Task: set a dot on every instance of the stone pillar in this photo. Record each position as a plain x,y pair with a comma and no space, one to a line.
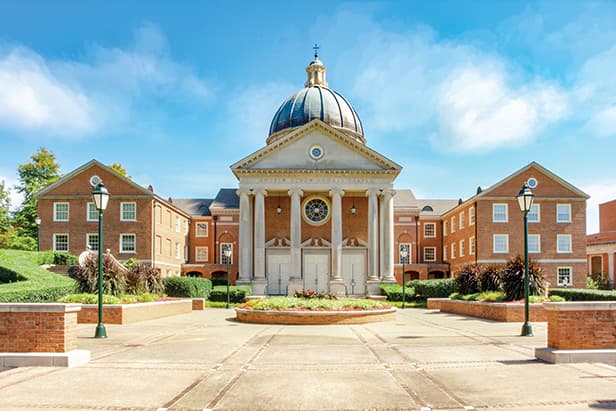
372,283
381,234
295,269
387,254
258,284
336,283
610,267
245,248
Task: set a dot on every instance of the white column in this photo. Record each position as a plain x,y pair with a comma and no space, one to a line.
296,232
336,195
245,249
381,234
373,234
388,236
259,224
610,266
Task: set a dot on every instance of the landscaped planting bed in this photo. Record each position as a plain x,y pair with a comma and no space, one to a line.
131,313
506,311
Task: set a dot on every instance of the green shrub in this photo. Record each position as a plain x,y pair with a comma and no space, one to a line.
394,292
9,276
583,294
192,287
37,294
441,288
491,278
556,299
598,281
513,279
467,279
237,293
218,281
88,299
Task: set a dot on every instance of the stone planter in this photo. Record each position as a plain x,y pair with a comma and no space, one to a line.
505,312
314,317
131,313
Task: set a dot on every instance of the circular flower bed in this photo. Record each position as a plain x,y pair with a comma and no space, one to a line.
285,310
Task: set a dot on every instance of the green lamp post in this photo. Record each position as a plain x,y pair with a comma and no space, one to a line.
227,252
38,221
525,201
403,254
100,195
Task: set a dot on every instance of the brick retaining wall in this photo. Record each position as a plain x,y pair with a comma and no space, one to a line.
130,313
506,312
576,325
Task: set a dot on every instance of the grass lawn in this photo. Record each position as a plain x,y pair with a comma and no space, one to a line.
34,283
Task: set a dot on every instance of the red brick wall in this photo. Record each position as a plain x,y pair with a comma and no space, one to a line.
607,216
493,311
583,329
460,234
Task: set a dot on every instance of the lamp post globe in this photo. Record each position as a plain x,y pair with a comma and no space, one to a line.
38,221
525,200
403,254
100,195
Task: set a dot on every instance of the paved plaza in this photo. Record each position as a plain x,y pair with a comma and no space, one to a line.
206,360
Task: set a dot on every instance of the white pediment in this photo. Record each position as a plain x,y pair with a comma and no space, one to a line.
340,152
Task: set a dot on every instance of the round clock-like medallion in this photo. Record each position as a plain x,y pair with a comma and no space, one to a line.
532,182
316,152
316,210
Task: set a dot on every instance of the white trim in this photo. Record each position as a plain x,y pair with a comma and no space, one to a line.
461,248
570,250
538,244
558,283
461,220
472,245
453,255
453,226
568,206
178,224
178,250
494,251
121,245
88,211
445,228
55,211
506,220
471,221
424,254
327,203
68,243
207,254
409,249
538,220
207,229
491,261
561,260
122,210
433,225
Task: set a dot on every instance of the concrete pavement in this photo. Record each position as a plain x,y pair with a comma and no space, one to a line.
205,360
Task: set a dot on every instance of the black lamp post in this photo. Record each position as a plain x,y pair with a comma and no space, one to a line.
101,197
38,222
403,254
228,254
525,200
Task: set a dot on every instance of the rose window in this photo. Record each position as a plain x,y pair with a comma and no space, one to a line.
316,211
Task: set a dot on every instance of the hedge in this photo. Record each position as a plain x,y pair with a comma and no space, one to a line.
192,287
57,258
584,294
37,294
219,281
394,292
441,288
237,293
9,276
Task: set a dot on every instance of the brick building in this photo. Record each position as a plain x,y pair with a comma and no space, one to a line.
601,246
316,208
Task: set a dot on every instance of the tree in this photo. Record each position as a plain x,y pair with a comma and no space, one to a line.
41,171
119,168
5,203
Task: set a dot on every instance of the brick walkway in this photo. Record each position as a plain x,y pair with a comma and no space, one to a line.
423,360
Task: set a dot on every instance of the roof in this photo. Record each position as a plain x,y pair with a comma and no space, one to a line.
195,207
426,207
226,198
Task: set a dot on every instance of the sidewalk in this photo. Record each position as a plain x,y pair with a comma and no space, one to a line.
205,360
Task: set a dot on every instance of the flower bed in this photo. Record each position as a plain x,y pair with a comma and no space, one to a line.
130,313
506,312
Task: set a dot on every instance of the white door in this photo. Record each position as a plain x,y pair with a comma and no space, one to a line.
316,272
277,274
354,271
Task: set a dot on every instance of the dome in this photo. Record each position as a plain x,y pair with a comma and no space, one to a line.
316,100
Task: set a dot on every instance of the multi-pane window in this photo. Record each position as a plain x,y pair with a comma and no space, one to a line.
453,251
429,253
92,212
60,211
534,214
128,243
462,220
471,216
92,241
534,243
563,243
444,253
563,213
500,243
565,276
178,250
499,213
185,226
429,230
404,248
169,218
60,242
201,229
201,254
159,244
462,249
471,245
453,224
445,226
168,246
178,225
223,253
128,211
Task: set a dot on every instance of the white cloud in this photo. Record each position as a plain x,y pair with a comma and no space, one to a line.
603,124
600,192
77,98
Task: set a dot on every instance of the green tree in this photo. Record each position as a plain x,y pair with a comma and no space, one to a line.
41,171
5,203
119,168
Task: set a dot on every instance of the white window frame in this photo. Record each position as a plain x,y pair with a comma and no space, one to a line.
178,250
560,283
201,249
558,237
444,253
407,246
569,213
207,229
506,220
494,250
472,245
461,218
471,215
169,246
178,224
55,211
91,207
453,251
461,250
185,226
88,236
425,257
122,236
425,234
445,224
538,207
55,242
223,258
125,203
453,224
538,250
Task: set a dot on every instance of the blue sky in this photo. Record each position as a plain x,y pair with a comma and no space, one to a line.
461,94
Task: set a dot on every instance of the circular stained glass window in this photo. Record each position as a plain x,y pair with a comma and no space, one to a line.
316,211
316,152
532,182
